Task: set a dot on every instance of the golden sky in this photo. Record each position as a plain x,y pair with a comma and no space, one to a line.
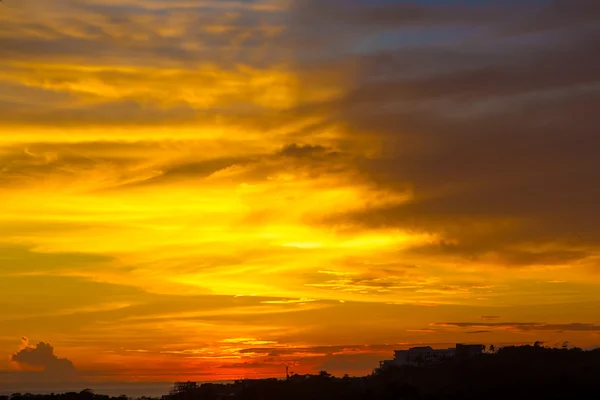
203,189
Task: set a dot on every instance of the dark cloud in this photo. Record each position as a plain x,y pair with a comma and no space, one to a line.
493,138
338,25
321,350
41,356
305,161
342,18
382,14
546,69
372,283
192,170
296,150
558,14
117,165
477,332
36,32
480,249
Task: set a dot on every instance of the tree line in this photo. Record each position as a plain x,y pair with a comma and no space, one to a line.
514,372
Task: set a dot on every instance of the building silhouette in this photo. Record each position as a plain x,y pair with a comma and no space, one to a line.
183,387
426,355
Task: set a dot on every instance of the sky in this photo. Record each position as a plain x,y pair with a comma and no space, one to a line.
211,190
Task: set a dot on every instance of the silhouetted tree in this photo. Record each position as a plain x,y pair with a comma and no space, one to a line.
86,394
324,374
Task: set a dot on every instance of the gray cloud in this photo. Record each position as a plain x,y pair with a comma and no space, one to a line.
494,138
558,14
42,356
307,160
296,150
127,32
337,25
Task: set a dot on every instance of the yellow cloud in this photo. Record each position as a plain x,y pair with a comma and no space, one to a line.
183,186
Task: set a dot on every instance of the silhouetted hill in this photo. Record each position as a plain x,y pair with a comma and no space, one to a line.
524,372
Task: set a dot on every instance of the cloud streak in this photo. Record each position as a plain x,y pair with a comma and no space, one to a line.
204,185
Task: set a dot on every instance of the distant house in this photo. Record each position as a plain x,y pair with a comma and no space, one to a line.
423,355
426,355
183,387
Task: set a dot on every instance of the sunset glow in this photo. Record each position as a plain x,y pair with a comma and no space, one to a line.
211,189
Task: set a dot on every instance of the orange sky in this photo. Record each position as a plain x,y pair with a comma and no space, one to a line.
215,189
